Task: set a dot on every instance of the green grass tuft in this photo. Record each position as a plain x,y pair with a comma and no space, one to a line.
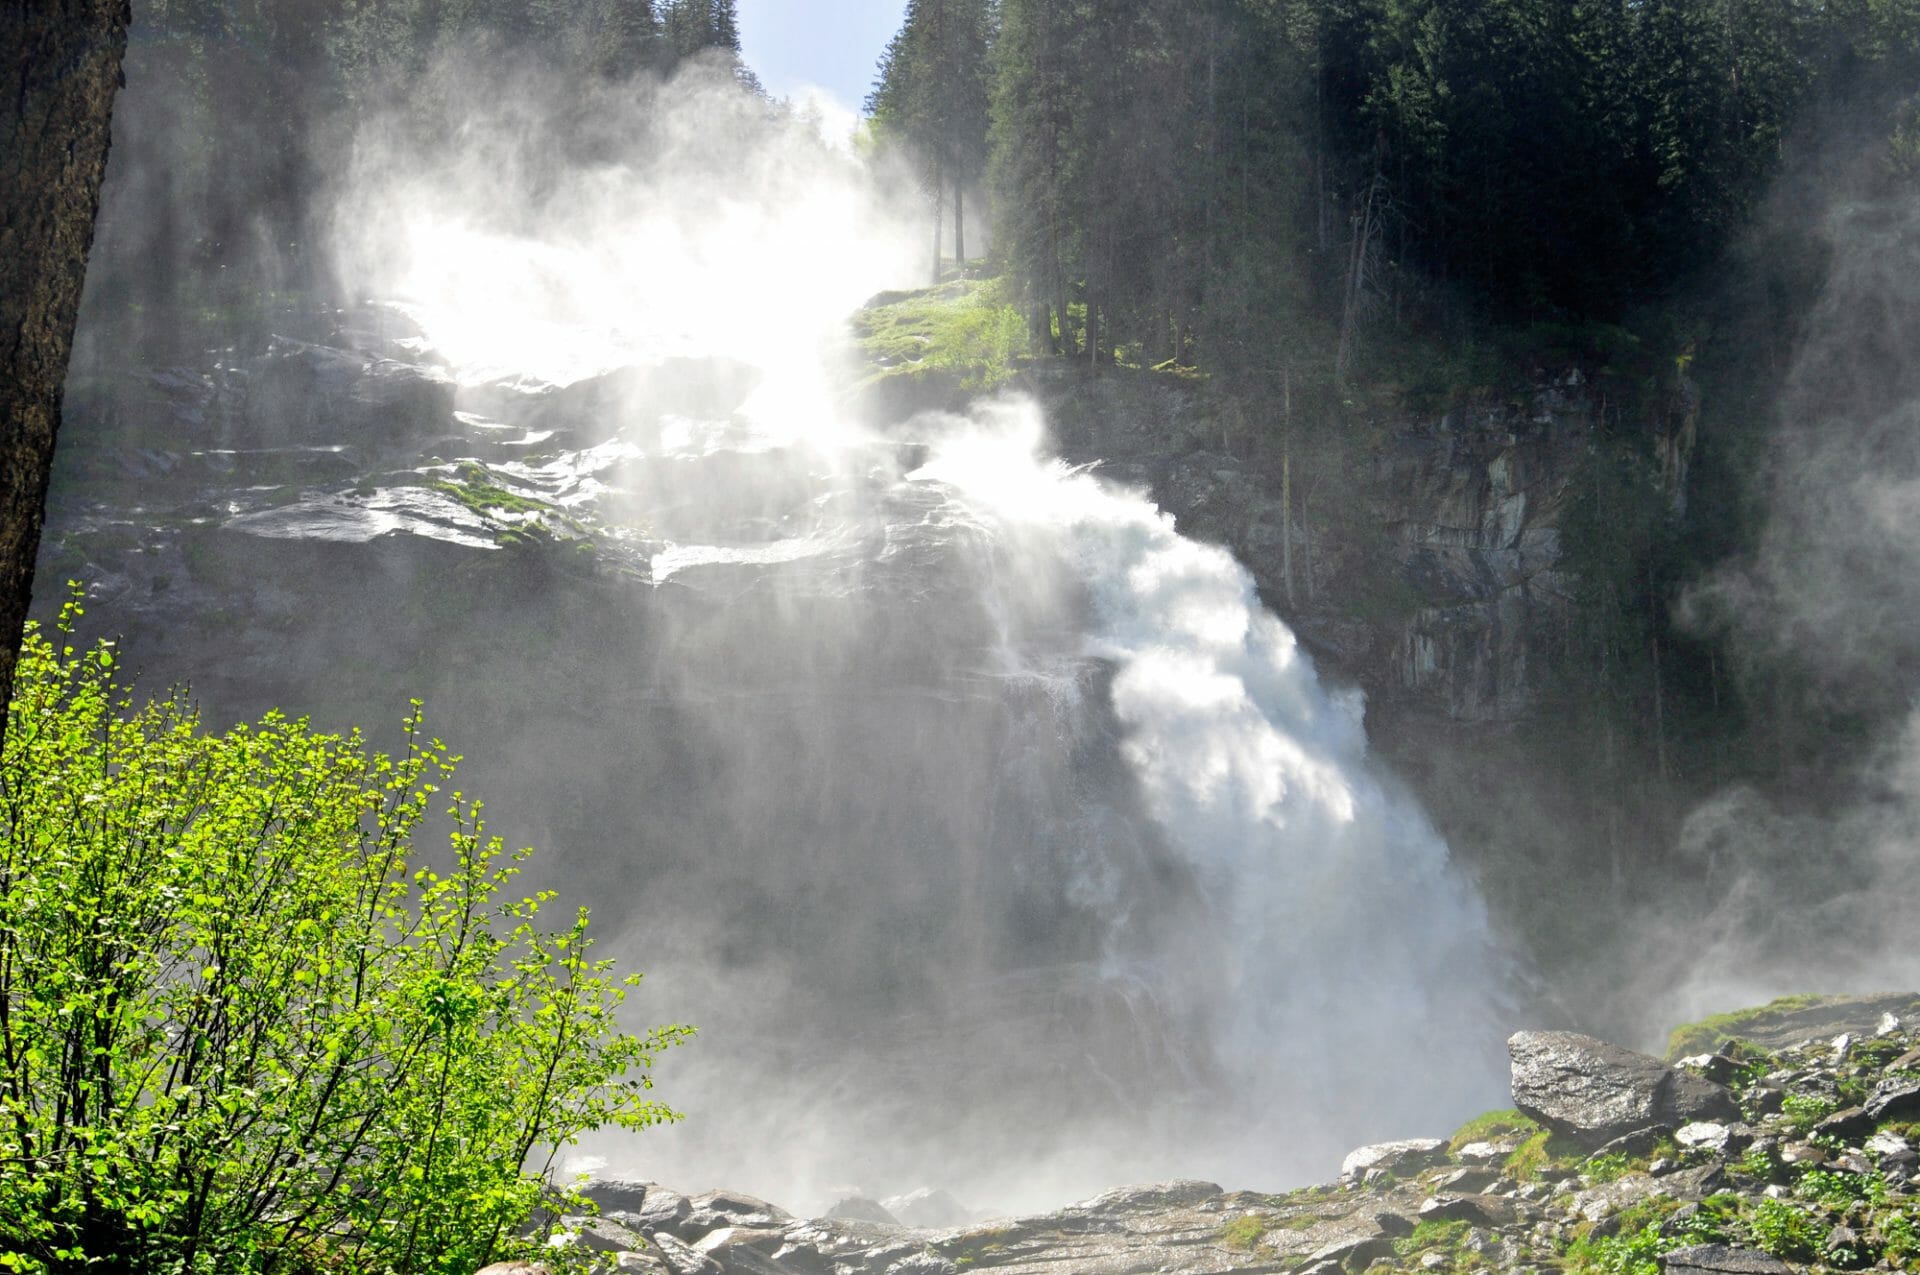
1705,1035
1491,1125
1243,1233
965,329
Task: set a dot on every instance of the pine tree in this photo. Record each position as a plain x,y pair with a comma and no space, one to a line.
931,98
693,25
724,24
626,38
1035,102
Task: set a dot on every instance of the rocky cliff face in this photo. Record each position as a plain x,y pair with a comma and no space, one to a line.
1436,577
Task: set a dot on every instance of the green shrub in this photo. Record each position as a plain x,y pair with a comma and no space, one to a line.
1757,1162
1631,1253
1706,1224
1785,1231
1837,1189
1803,1111
1607,1168
1900,1236
248,1024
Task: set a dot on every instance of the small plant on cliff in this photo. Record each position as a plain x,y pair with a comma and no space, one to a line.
1244,1233
1785,1231
248,1024
1804,1111
1490,1126
1635,1252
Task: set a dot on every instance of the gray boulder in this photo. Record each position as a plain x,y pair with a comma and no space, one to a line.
1894,1100
1158,1195
742,1260
712,1210
597,1235
1596,1092
683,1259
1393,1157
1721,1259
618,1194
1354,1240
1847,1125
928,1208
763,1238
659,1210
858,1208
1714,1136
1480,1210
923,1263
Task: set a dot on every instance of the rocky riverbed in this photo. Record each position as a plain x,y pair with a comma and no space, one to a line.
1758,1155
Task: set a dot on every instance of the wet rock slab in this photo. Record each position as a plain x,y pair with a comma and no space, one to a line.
1597,1091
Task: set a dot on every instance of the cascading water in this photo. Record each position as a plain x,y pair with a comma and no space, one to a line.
994,834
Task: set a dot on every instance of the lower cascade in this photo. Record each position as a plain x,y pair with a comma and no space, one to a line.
1017,848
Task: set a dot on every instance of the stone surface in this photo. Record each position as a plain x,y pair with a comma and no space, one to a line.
1718,1068
1712,1135
928,1207
660,1210
1894,1100
1597,1091
1393,1157
858,1208
1364,1223
597,1235
712,1210
1887,1143
1851,1122
618,1194
1720,1259
683,1259
1481,1210
1485,1152
764,1238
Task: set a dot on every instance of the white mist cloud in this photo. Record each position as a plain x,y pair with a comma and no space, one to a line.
702,221
1028,854
1816,890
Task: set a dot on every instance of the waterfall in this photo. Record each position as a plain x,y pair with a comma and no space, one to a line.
995,834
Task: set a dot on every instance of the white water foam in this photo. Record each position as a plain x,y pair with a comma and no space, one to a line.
1337,982
1348,946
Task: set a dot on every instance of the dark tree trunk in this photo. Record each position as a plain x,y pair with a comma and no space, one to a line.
59,68
959,225
939,227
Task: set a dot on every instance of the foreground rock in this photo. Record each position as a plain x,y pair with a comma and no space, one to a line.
1750,1191
1597,1092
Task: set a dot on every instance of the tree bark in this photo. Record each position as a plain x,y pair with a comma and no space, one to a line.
959,224
939,226
59,69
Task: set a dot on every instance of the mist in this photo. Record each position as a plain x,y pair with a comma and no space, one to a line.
1808,885
994,835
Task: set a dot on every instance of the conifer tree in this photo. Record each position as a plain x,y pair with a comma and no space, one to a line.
626,38
693,25
1037,214
931,97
